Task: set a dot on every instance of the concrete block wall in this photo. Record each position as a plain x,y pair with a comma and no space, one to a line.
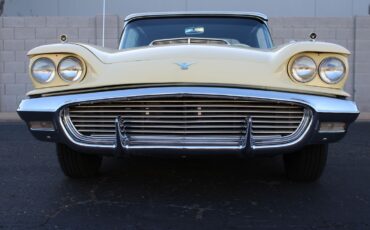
20,34
362,63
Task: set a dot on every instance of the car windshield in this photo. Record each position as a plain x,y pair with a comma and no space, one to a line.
233,30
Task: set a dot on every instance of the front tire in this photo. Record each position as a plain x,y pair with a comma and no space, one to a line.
306,165
77,165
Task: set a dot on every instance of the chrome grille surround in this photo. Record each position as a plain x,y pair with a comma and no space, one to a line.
191,121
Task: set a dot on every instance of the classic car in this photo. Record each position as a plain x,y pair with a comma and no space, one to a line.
190,83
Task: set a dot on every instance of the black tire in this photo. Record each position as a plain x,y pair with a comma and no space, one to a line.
77,165
306,165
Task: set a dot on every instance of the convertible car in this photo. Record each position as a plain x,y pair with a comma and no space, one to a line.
190,83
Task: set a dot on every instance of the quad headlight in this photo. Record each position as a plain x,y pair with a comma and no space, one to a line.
332,70
312,69
303,69
57,70
70,69
43,70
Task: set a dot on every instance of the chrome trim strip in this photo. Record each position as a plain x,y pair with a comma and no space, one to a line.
320,104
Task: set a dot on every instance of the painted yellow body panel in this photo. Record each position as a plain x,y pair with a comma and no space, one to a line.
211,65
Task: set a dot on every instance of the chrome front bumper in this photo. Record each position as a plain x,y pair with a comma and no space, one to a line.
322,109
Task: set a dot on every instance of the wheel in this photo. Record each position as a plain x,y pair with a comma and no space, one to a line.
77,165
306,165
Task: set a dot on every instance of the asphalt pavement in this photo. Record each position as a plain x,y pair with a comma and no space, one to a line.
176,193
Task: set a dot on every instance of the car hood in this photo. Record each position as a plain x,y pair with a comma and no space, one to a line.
224,52
207,65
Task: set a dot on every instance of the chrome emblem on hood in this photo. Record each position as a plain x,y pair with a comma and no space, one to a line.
184,65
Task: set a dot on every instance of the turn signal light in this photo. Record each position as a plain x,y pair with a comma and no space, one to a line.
332,127
41,125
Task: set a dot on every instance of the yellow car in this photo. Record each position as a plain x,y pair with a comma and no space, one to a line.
190,83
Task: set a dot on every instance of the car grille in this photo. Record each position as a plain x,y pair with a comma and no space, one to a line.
187,120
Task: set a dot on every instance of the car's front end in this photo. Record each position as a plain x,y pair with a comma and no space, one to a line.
246,121
200,93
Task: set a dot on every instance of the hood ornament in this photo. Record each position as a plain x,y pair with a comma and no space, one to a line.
184,65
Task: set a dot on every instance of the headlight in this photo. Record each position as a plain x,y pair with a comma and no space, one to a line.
303,69
332,70
70,69
43,70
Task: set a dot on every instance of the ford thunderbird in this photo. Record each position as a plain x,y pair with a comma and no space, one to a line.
190,83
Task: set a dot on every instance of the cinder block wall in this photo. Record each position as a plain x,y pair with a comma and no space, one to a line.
362,62
20,34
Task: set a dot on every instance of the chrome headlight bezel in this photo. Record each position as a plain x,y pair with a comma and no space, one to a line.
300,77
51,65
80,71
324,76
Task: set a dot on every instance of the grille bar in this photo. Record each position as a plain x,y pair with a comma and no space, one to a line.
187,111
183,117
187,127
185,120
96,121
185,105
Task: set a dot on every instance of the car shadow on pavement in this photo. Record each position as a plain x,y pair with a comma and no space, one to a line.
204,170
154,191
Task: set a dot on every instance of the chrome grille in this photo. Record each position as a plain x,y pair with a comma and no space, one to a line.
187,120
